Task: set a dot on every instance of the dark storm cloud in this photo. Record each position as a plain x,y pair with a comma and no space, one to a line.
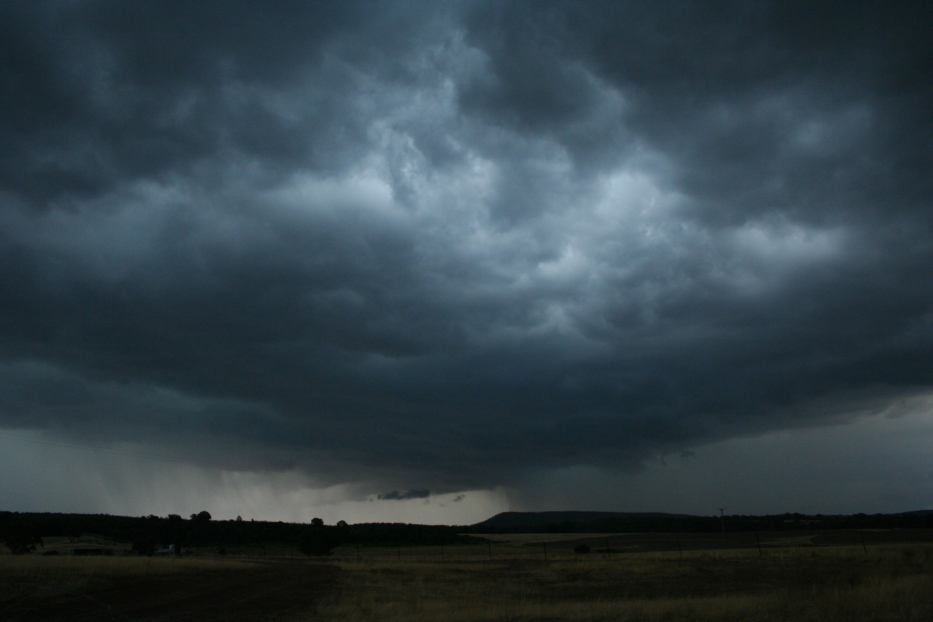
395,495
460,241
103,91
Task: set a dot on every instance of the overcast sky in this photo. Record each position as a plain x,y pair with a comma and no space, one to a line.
428,261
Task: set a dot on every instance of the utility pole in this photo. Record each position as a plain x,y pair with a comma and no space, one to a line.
722,520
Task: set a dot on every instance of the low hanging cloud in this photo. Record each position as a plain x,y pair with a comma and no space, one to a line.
416,493
455,243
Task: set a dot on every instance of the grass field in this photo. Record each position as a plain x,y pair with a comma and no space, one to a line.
789,578
825,584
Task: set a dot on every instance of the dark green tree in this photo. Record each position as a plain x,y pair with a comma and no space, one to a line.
20,538
318,540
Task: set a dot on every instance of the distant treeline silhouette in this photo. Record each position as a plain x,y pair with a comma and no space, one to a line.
23,531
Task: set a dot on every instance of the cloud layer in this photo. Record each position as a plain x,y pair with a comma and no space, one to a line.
443,246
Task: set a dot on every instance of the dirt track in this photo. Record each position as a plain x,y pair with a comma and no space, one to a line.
266,591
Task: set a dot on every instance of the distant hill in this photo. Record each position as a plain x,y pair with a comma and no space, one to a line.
588,522
619,522
526,519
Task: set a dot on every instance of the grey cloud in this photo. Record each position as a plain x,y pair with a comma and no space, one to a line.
395,495
103,92
453,243
796,107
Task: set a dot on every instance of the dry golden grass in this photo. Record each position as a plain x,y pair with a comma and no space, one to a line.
537,538
900,600
795,583
825,585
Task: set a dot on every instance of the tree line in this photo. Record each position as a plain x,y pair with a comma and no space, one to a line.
22,532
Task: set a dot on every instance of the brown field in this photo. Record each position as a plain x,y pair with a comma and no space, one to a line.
627,577
133,588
